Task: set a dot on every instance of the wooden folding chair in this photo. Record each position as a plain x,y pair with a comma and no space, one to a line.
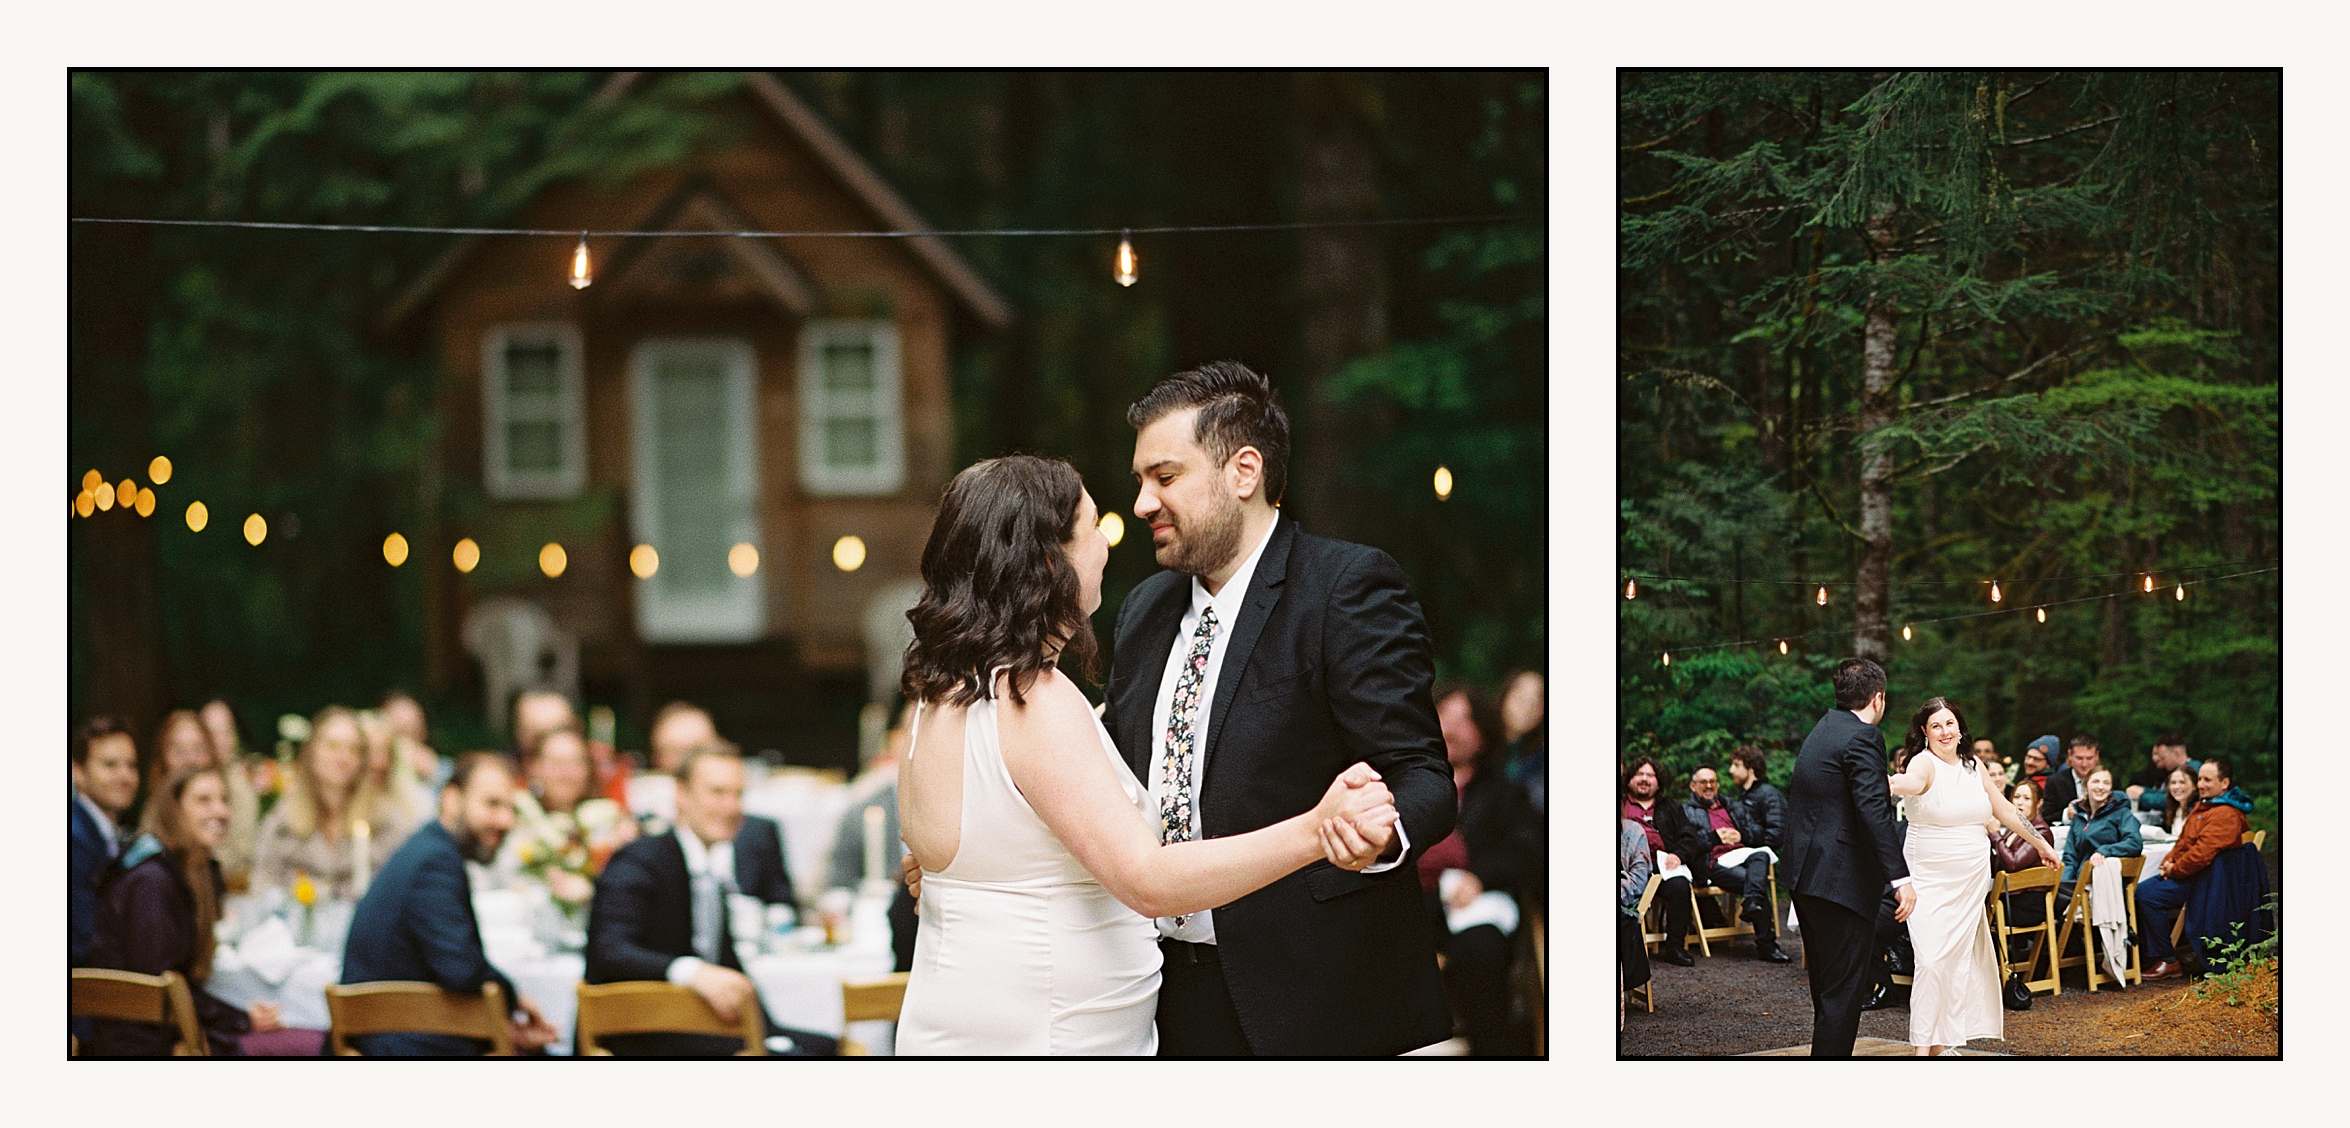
653,1007
1540,1002
1655,936
2004,886
1738,925
159,1000
401,1006
2077,915
872,1000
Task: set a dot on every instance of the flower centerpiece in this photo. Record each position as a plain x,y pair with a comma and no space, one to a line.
565,850
306,895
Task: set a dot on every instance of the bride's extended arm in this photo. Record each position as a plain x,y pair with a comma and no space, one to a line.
1055,758
1913,778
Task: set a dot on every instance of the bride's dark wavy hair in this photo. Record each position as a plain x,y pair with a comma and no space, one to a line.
998,586
1915,741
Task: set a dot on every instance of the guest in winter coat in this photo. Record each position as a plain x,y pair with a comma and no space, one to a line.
157,907
1496,846
1766,806
2217,823
2101,824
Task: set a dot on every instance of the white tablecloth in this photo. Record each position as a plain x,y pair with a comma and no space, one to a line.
802,990
808,805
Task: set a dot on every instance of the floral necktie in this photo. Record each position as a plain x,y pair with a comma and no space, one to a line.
1175,768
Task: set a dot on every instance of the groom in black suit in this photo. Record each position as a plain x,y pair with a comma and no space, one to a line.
1250,673
1842,850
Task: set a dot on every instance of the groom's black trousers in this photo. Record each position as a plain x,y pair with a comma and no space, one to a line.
1196,1016
1837,943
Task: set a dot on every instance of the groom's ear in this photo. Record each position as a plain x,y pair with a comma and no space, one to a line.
1245,473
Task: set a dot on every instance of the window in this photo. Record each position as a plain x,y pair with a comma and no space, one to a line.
852,427
533,411
695,489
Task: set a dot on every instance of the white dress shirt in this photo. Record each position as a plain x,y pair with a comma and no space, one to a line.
105,823
718,862
1200,928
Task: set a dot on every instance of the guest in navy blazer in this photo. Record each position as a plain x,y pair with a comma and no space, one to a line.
416,921
105,766
661,910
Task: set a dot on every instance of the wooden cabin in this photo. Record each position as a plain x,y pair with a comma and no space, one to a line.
698,429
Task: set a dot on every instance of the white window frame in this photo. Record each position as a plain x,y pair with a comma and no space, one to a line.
887,403
739,614
568,479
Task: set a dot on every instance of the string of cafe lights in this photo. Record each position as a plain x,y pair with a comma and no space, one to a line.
2146,587
1125,266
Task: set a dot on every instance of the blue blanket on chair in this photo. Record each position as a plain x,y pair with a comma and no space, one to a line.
2226,895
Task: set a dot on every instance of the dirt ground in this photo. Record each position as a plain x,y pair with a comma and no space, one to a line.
1734,1004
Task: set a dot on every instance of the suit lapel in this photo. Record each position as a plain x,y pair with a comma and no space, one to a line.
1146,648
1264,592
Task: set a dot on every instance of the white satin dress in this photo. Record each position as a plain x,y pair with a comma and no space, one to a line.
1021,951
1955,996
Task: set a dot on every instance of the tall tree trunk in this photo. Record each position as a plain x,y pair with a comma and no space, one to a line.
1871,637
1341,283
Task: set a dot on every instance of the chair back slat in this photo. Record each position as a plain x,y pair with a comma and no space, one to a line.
162,1000
408,1007
877,1000
654,1007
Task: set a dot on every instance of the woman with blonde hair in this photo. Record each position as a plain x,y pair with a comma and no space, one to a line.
182,744
328,800
408,800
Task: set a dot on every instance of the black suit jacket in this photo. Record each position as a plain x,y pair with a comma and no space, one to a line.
1328,663
416,923
642,920
2061,792
1841,844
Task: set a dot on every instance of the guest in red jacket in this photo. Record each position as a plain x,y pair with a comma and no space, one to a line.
2217,823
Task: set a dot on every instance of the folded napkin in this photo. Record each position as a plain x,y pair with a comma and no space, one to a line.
1737,857
268,948
1489,907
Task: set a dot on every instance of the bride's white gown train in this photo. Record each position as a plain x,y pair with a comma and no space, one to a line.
1021,951
1955,996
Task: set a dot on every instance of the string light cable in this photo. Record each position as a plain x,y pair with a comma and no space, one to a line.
1646,578
2179,587
576,233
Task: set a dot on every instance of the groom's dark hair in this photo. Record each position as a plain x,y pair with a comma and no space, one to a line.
1857,680
1237,408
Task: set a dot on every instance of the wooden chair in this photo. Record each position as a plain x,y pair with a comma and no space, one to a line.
1655,936
653,1007
1541,986
2077,915
1738,925
2257,839
160,1000
409,1007
2004,886
872,1000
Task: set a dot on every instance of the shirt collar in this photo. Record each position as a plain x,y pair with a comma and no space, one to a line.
1227,602
716,859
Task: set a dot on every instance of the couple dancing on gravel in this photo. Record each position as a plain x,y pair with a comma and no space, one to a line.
1223,862
1842,850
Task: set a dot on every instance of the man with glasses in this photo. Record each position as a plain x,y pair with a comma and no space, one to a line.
1727,828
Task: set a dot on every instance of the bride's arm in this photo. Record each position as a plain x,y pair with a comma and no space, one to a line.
1055,757
1913,779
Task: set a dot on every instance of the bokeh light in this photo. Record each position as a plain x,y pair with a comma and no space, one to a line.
85,503
198,516
159,470
552,560
1113,528
395,550
104,495
848,554
742,559
90,480
255,529
1443,484
644,561
146,503
465,555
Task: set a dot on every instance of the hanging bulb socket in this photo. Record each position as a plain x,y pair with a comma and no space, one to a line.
1126,265
582,272
1822,597
1994,591
1631,589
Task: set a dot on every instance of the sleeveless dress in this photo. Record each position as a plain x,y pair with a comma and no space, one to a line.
1020,950
1955,996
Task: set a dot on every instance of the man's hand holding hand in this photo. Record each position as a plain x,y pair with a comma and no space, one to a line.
1905,901
911,870
726,990
533,1031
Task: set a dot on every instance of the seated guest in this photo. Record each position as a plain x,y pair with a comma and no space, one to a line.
2101,824
877,786
1670,839
416,922
311,829
1496,847
661,910
2170,754
679,728
1988,755
407,801
538,712
2071,781
1726,824
2038,755
105,767
1634,863
2178,797
564,833
183,744
1766,805
2012,854
1526,736
2217,823
412,735
158,905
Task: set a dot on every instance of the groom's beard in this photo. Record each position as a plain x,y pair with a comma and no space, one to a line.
1200,549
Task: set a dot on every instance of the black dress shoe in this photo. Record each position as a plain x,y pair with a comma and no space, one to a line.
1879,997
1771,953
1679,957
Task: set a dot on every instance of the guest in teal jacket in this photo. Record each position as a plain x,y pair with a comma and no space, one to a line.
2101,824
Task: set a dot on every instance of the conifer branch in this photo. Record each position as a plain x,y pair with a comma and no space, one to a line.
2106,120
2009,379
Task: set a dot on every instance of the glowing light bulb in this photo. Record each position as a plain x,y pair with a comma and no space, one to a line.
1126,264
395,550
127,494
465,555
198,516
742,559
1905,632
1822,597
2182,593
1994,591
1113,528
848,554
85,503
1668,657
2041,613
146,503
552,560
256,528
90,480
581,272
2149,582
104,495
644,561
159,469
1631,589
1443,484
1782,646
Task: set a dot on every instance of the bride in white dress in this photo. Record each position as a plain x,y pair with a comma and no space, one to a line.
1040,871
1955,996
